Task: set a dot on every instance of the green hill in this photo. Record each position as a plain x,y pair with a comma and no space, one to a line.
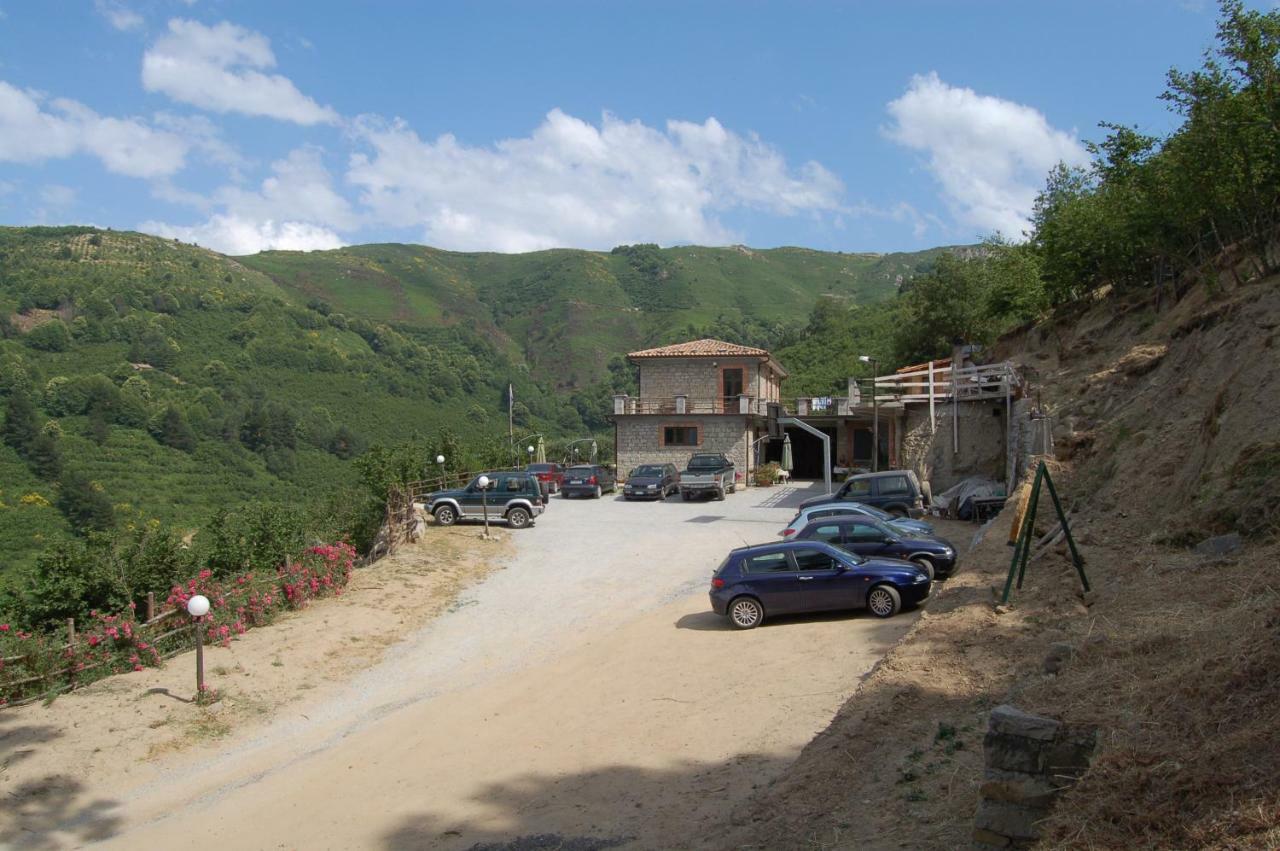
163,380
566,312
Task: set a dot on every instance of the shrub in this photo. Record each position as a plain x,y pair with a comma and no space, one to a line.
53,336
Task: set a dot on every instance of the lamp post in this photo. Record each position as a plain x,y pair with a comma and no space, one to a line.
483,483
198,607
440,461
875,414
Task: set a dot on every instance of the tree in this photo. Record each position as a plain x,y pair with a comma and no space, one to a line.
52,336
173,430
44,456
83,502
21,425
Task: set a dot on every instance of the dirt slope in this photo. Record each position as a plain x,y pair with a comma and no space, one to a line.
1167,433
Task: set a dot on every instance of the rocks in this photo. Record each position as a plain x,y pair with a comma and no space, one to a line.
1011,721
1221,545
1029,760
1141,359
1059,654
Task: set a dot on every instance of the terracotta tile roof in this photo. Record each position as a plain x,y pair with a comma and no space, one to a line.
701,349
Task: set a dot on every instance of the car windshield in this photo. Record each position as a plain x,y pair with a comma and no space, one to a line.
647,470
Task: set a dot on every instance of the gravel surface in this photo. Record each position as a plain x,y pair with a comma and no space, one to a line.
605,712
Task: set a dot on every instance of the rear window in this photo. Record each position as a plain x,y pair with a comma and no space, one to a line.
541,468
828,533
581,471
857,487
895,486
766,563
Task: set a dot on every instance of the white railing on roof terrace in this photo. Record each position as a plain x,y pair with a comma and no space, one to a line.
989,381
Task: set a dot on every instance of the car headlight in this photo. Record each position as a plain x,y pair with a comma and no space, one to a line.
652,487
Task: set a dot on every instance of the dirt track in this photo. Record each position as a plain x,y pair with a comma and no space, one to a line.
582,691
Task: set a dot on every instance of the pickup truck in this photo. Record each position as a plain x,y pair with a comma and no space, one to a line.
708,474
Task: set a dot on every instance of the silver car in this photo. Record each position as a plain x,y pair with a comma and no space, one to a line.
909,528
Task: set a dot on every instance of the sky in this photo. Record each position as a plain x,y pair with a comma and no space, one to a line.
479,126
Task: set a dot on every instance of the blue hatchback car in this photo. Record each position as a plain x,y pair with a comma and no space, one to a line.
811,576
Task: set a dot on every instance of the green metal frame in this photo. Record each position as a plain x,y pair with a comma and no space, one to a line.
1022,550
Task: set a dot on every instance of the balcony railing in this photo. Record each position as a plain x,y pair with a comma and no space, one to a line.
681,404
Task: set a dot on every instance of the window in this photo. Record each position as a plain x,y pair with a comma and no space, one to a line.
680,436
863,533
830,534
515,484
857,488
731,383
808,560
767,563
895,486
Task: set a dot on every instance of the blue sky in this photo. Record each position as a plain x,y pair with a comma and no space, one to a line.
851,126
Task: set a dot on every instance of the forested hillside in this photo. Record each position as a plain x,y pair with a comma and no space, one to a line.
143,378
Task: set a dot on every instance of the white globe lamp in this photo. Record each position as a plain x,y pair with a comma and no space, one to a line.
198,606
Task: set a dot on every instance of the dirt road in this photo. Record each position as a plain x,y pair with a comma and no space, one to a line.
583,691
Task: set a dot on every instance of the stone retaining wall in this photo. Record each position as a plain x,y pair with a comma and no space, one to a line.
1030,759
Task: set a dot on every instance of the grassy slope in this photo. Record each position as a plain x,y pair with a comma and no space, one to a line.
547,321
564,311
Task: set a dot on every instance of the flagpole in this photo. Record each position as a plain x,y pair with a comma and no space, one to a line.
511,422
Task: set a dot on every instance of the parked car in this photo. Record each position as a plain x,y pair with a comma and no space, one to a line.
708,474
871,538
588,480
905,525
895,491
754,583
514,498
550,475
652,481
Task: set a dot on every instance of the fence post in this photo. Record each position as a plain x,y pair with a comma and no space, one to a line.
71,630
151,606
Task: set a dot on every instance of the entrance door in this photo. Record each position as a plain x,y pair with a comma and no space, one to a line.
731,387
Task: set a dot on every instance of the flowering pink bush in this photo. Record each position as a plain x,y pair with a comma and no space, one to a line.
34,664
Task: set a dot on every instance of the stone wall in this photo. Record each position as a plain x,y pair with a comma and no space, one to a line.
983,450
664,378
640,440
1030,759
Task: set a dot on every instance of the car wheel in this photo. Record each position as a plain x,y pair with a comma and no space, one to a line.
926,565
884,601
719,494
686,496
446,516
517,518
597,493
746,613
564,494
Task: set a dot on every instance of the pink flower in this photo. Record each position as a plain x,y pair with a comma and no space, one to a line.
137,667
4,627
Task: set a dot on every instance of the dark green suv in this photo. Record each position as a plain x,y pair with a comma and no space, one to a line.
512,497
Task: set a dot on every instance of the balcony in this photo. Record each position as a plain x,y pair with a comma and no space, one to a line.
738,405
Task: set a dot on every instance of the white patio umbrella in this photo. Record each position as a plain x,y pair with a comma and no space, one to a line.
788,463
541,454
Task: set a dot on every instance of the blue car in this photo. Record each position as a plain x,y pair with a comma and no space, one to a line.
810,576
871,538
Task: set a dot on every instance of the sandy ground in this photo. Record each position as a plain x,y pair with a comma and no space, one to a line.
582,691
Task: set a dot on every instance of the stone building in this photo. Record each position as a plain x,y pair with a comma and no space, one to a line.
713,396
701,396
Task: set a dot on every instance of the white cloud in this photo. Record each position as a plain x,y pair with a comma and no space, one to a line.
571,183
296,208
990,155
29,134
220,68
118,15
231,234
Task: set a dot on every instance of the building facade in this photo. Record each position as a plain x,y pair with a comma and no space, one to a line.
701,396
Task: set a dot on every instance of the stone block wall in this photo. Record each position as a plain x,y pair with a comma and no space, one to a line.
1030,759
663,378
983,450
640,440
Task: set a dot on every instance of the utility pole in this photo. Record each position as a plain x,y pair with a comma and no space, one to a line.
875,413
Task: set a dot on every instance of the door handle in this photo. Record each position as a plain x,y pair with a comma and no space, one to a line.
804,578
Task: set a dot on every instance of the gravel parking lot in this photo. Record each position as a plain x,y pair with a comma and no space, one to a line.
583,693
